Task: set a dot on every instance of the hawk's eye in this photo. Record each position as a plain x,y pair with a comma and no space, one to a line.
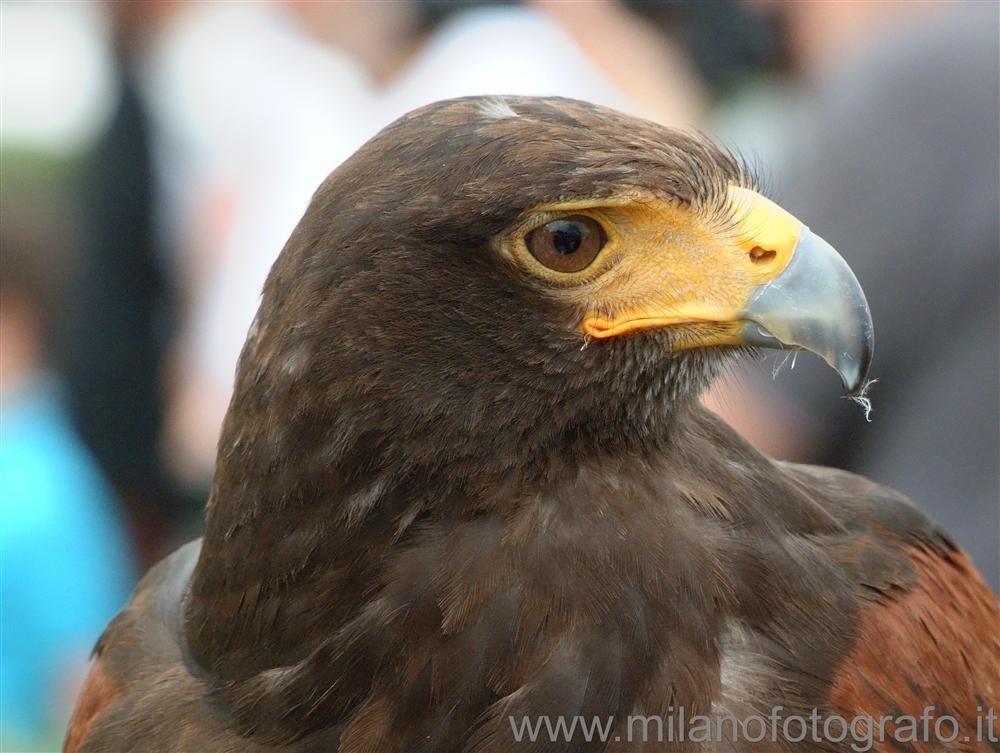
568,244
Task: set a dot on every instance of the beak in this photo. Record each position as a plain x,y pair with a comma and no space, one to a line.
771,283
815,304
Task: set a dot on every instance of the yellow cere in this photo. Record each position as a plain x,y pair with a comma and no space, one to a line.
762,227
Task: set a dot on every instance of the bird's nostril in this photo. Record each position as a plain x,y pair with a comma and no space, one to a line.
760,255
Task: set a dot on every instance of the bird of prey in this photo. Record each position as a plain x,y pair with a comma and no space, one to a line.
465,482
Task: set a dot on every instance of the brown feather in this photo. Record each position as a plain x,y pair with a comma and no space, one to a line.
99,691
936,644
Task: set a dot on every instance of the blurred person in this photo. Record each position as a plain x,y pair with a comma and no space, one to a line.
65,564
893,154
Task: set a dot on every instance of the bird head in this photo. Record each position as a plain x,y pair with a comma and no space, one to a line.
518,273
488,300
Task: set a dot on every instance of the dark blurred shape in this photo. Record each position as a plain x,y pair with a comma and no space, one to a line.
118,339
431,13
898,167
727,42
120,326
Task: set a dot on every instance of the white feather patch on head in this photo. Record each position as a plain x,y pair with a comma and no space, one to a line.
496,108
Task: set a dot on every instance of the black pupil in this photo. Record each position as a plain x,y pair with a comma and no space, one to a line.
566,237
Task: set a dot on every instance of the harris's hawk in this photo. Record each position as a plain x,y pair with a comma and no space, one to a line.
465,482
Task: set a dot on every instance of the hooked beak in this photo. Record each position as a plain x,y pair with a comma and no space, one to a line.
815,304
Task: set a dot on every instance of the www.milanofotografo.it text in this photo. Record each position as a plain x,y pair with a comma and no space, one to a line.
861,732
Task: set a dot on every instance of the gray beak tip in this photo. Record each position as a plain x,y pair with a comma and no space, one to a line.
816,304
854,373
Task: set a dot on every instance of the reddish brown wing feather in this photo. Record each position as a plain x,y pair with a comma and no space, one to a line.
99,691
937,644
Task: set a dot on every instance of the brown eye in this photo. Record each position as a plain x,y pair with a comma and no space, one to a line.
568,244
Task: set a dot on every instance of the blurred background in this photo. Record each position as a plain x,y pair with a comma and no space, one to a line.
156,155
